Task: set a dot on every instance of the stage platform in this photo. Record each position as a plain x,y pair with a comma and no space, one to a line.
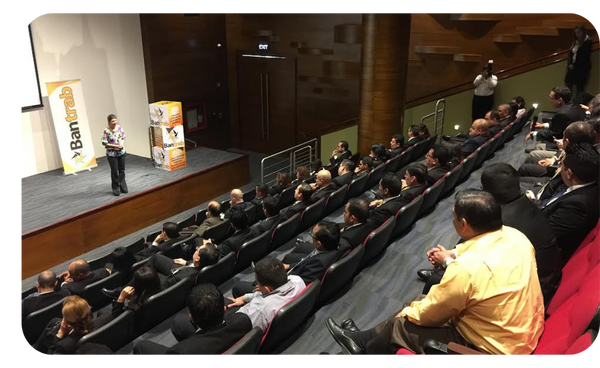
65,216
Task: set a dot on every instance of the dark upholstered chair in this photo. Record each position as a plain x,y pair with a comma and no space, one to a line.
285,231
467,165
357,186
136,246
336,200
218,232
286,197
339,274
248,344
115,334
450,180
391,165
34,324
374,177
187,222
406,216
312,214
92,293
252,250
431,196
377,241
218,273
201,216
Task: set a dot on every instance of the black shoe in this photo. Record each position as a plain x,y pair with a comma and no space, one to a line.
425,274
341,337
116,192
348,324
113,294
124,188
528,150
446,137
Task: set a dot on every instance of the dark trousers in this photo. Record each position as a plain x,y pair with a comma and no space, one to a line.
481,105
117,172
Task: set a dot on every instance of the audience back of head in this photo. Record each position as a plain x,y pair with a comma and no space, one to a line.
328,234
501,180
270,272
480,210
419,171
238,218
206,305
359,208
583,160
271,205
392,183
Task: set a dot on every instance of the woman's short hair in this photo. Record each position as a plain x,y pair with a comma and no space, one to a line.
110,117
78,314
302,173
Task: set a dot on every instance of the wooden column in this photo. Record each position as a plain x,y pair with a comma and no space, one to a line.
383,83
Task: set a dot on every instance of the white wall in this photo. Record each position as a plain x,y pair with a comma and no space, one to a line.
105,52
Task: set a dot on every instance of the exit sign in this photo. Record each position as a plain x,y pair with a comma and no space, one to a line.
263,46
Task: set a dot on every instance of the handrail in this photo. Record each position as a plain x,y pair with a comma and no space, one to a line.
288,163
436,116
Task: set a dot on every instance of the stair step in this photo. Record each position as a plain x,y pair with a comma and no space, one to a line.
537,31
507,38
436,50
467,58
477,17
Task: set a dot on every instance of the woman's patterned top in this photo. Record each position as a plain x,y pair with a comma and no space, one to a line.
117,137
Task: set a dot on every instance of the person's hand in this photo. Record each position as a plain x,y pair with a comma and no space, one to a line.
286,266
585,107
63,275
376,203
438,256
121,147
559,143
546,162
313,186
180,261
529,194
527,137
236,302
65,329
403,183
539,125
334,152
160,237
109,270
357,170
126,293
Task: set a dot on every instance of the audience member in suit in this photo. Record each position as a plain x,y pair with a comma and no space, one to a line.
302,174
162,242
572,209
213,331
274,288
236,199
340,153
396,145
213,217
309,260
144,284
477,137
495,266
345,174
414,136
316,165
302,195
79,275
242,234
322,187
505,115
382,209
355,229
493,120
502,182
521,106
579,62
534,175
283,181
270,207
61,335
364,166
379,154
45,296
262,192
437,161
567,112
413,184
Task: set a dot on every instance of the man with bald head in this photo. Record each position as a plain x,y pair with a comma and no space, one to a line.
477,137
45,295
213,217
236,199
322,186
79,275
504,111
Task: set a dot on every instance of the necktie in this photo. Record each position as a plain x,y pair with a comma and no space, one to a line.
302,260
562,154
556,196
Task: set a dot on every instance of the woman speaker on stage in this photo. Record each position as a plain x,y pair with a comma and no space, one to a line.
113,139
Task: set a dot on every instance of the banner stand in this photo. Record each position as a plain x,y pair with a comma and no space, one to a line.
80,170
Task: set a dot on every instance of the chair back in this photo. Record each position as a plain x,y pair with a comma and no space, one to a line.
92,293
187,222
136,246
391,165
339,274
217,273
482,152
115,334
430,197
378,240
101,262
137,265
333,170
431,142
285,231
161,306
28,292
406,216
150,237
312,214
247,345
251,213
225,205
287,197
405,158
249,195
467,166
357,186
176,249
336,200
450,180
201,216
289,317
355,158
252,250
36,322
374,177
218,232
420,149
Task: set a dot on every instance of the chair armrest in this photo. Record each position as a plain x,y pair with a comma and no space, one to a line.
434,347
454,348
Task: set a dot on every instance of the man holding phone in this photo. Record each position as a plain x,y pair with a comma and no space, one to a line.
483,97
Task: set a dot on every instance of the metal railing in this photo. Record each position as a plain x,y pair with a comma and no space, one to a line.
287,161
438,118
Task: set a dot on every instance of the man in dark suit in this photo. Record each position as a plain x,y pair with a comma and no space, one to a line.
262,192
504,115
572,209
413,184
345,174
178,269
364,166
355,229
162,242
396,145
477,137
437,161
213,217
45,296
322,186
215,331
340,153
493,120
567,112
236,199
242,234
413,136
302,195
382,209
270,208
79,275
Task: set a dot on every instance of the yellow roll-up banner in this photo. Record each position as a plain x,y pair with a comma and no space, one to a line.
71,125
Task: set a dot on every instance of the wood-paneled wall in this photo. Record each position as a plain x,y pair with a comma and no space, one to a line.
184,63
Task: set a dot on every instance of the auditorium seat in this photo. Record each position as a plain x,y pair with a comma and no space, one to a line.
336,200
339,274
481,153
248,344
377,241
34,323
357,186
187,222
355,158
582,343
115,334
252,251
100,262
467,164
450,180
406,216
286,197
374,177
312,214
420,150
392,165
289,318
225,205
249,195
285,231
333,170
92,293
136,246
28,292
218,232
405,159
251,213
410,156
150,237
217,273
430,197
